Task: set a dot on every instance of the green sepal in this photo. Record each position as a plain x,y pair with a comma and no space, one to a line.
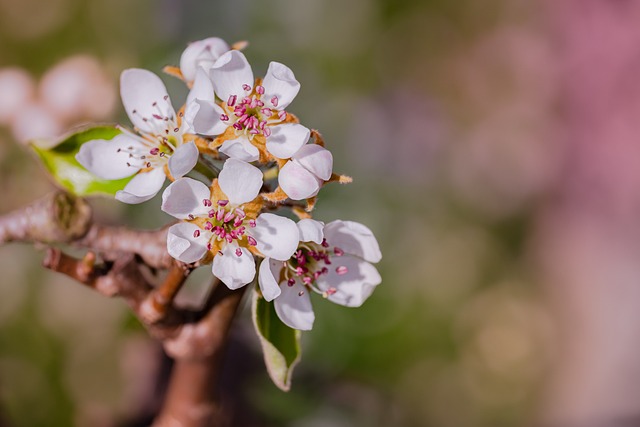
60,161
280,343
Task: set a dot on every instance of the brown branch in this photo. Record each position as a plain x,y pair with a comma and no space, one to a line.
191,400
62,218
150,245
155,306
56,218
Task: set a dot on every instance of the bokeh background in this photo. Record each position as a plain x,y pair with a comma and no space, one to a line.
495,150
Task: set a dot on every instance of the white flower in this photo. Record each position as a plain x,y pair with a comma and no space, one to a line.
249,112
333,260
303,176
201,54
158,141
225,221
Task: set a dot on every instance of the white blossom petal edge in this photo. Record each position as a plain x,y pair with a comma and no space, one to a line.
334,260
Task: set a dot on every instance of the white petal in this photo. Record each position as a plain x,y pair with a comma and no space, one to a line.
144,93
183,159
202,88
202,114
203,118
201,54
101,157
297,182
356,283
229,73
293,307
268,275
353,238
142,187
280,81
285,140
240,181
277,236
183,246
185,196
234,271
310,230
315,159
240,149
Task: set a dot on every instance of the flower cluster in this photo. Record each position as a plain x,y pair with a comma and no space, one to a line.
237,160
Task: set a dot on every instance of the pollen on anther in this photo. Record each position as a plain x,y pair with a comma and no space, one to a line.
342,270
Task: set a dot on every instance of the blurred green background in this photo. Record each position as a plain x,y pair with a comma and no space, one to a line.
439,110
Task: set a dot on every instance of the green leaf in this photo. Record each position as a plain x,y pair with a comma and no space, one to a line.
61,163
280,343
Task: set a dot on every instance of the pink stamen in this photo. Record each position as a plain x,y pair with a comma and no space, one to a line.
252,223
232,100
224,117
208,226
259,90
223,202
220,214
246,87
324,243
154,151
251,241
207,203
239,252
331,291
291,282
338,251
267,131
274,101
212,213
282,115
342,270
196,233
229,216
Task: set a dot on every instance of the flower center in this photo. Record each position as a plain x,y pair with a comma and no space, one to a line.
251,115
159,142
312,261
224,224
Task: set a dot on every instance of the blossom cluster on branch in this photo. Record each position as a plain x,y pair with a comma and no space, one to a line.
234,151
